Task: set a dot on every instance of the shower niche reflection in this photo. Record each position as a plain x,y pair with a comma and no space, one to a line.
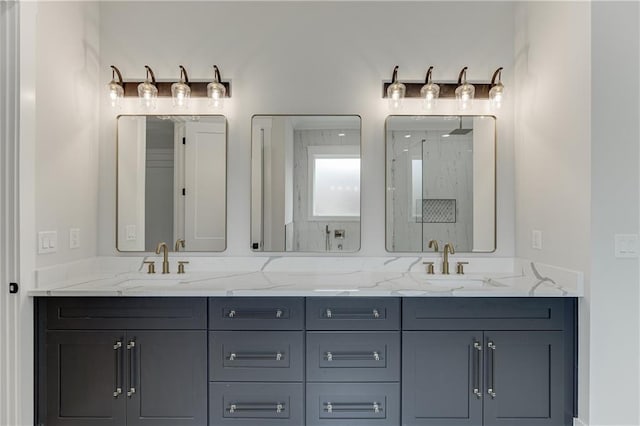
440,178
305,183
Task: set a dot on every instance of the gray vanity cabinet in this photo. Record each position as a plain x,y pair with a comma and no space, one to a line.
494,376
167,369
525,378
84,379
442,378
125,376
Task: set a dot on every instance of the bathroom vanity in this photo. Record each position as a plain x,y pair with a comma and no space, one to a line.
293,361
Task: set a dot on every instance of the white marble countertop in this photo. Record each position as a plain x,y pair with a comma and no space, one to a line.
297,276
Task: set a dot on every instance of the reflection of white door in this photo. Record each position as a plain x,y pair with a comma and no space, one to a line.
205,186
131,182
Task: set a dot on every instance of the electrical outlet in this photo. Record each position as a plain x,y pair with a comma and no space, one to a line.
74,238
626,246
131,232
536,239
47,242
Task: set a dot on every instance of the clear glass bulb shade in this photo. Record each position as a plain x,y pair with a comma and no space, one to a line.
216,93
430,93
496,95
180,93
395,93
465,94
116,93
148,94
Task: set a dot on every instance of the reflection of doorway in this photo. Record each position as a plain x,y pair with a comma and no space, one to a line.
159,177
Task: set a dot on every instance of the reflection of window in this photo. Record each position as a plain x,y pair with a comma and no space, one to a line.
416,190
334,180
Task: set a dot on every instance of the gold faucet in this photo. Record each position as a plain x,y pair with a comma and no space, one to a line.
448,249
179,243
434,245
165,261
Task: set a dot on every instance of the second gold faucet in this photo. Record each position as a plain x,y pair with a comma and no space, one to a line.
165,260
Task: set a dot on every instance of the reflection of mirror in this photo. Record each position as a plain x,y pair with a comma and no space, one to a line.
305,183
171,182
441,182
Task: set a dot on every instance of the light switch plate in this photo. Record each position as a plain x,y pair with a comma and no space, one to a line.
131,232
47,242
74,238
626,246
536,239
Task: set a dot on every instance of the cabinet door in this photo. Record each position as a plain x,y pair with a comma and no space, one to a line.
167,378
441,378
524,378
84,378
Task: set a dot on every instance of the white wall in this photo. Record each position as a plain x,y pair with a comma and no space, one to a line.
68,83
615,176
552,144
307,57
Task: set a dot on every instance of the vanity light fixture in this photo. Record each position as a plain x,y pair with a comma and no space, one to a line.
216,91
465,92
115,88
396,90
496,93
430,91
147,90
180,91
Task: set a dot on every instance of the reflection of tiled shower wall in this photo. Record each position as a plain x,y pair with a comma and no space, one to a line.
447,175
311,235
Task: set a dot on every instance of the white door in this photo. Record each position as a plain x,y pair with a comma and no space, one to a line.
205,187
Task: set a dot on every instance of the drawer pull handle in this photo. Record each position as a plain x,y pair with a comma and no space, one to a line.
277,356
330,313
491,388
477,368
131,345
117,347
354,407
352,356
278,407
277,314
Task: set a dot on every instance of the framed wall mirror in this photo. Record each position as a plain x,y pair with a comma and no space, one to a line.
305,183
441,182
171,182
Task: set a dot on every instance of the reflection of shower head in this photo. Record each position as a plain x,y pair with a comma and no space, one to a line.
460,130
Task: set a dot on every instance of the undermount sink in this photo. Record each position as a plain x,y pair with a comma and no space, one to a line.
466,281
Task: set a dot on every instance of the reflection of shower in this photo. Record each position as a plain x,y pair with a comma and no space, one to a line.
460,130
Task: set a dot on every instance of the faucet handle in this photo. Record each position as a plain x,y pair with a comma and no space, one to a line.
181,264
151,268
460,267
430,267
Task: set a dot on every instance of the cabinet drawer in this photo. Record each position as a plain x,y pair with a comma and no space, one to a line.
483,313
353,404
98,313
350,313
263,313
353,356
268,356
256,404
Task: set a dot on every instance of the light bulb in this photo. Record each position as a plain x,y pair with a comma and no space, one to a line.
216,91
180,91
465,92
116,93
147,91
430,92
395,91
496,93
115,89
148,94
